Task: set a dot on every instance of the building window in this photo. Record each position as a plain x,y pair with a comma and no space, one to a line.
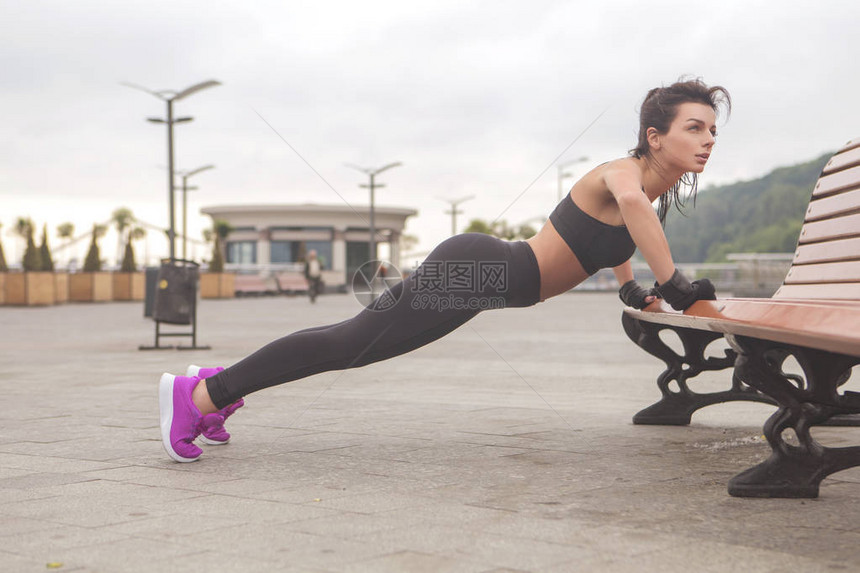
281,251
296,252
242,252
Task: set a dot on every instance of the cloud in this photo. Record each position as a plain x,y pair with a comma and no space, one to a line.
475,98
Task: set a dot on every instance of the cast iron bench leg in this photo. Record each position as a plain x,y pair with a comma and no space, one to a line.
676,407
804,402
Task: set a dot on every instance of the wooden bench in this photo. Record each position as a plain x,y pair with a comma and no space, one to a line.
292,282
814,317
255,285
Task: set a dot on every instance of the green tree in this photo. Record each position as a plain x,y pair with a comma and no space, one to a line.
760,215
479,226
220,231
500,229
122,219
129,265
93,262
32,259
22,228
3,266
66,231
45,252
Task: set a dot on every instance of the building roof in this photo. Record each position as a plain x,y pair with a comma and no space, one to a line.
306,208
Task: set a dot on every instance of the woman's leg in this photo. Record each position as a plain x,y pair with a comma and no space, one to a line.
462,276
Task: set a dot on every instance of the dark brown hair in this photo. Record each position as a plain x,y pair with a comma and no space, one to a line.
659,110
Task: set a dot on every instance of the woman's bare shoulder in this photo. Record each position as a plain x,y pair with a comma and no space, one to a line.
599,179
622,175
623,165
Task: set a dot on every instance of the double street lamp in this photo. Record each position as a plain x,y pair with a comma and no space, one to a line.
185,189
373,186
164,96
454,211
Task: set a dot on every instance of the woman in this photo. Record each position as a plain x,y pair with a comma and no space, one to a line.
599,224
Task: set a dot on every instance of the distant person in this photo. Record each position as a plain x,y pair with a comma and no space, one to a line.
598,224
313,274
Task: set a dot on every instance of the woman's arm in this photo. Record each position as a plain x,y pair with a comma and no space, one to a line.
623,272
624,181
631,293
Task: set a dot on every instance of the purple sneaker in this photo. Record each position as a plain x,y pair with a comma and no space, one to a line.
180,418
201,372
212,425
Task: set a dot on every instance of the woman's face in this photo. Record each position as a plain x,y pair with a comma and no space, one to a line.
691,137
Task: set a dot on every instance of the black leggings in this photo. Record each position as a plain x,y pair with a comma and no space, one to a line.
464,275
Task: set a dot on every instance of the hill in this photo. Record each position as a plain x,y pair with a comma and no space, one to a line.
762,215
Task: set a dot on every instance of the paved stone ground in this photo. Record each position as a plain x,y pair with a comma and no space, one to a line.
506,446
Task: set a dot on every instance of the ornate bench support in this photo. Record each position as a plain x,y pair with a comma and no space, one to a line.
677,407
795,471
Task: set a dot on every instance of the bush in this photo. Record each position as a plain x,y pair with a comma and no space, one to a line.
128,265
45,252
3,266
93,263
216,265
220,230
32,260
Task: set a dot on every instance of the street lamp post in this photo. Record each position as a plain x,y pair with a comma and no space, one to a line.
562,174
170,121
185,190
373,186
454,212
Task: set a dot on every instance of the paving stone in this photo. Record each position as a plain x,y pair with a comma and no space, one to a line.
414,562
504,447
52,542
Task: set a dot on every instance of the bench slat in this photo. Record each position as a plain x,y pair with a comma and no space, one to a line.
850,145
841,250
839,181
832,291
844,272
840,204
843,160
839,228
815,325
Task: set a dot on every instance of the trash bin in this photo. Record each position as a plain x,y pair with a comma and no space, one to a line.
176,292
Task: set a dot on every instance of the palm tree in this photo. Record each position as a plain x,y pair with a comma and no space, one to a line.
137,233
66,231
128,263
22,228
220,231
122,218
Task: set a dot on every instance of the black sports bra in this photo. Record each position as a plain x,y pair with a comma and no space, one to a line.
596,244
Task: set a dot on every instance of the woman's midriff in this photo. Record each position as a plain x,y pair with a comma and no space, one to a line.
560,270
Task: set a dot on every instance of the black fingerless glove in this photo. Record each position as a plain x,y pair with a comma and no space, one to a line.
634,295
681,293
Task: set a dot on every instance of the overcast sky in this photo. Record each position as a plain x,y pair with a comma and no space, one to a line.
475,98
